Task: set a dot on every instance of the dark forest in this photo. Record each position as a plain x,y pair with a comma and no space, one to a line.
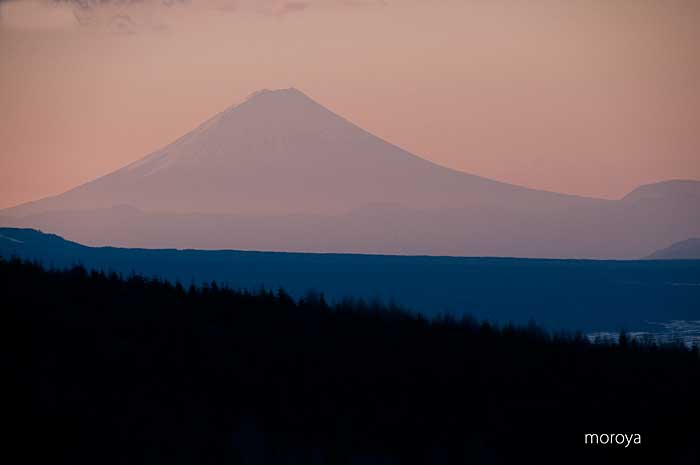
112,369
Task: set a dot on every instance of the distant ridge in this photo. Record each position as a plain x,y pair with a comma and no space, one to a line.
560,294
688,249
279,171
686,189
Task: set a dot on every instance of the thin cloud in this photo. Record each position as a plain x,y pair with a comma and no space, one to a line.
133,15
287,7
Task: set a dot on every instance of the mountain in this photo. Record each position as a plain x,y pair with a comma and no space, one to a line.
280,153
281,172
588,295
688,249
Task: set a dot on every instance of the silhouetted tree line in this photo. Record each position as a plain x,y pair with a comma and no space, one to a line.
127,370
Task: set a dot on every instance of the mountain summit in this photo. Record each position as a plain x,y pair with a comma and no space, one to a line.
281,172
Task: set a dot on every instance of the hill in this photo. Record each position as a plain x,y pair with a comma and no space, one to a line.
688,249
111,371
585,295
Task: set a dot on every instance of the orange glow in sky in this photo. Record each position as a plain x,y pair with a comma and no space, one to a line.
586,97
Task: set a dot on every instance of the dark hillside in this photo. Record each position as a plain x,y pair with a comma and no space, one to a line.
114,370
590,295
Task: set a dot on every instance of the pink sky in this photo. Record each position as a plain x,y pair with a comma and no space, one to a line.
592,97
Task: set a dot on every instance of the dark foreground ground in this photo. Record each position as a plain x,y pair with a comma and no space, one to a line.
106,370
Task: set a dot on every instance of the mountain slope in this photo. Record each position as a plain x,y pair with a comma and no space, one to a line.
280,172
279,152
688,249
